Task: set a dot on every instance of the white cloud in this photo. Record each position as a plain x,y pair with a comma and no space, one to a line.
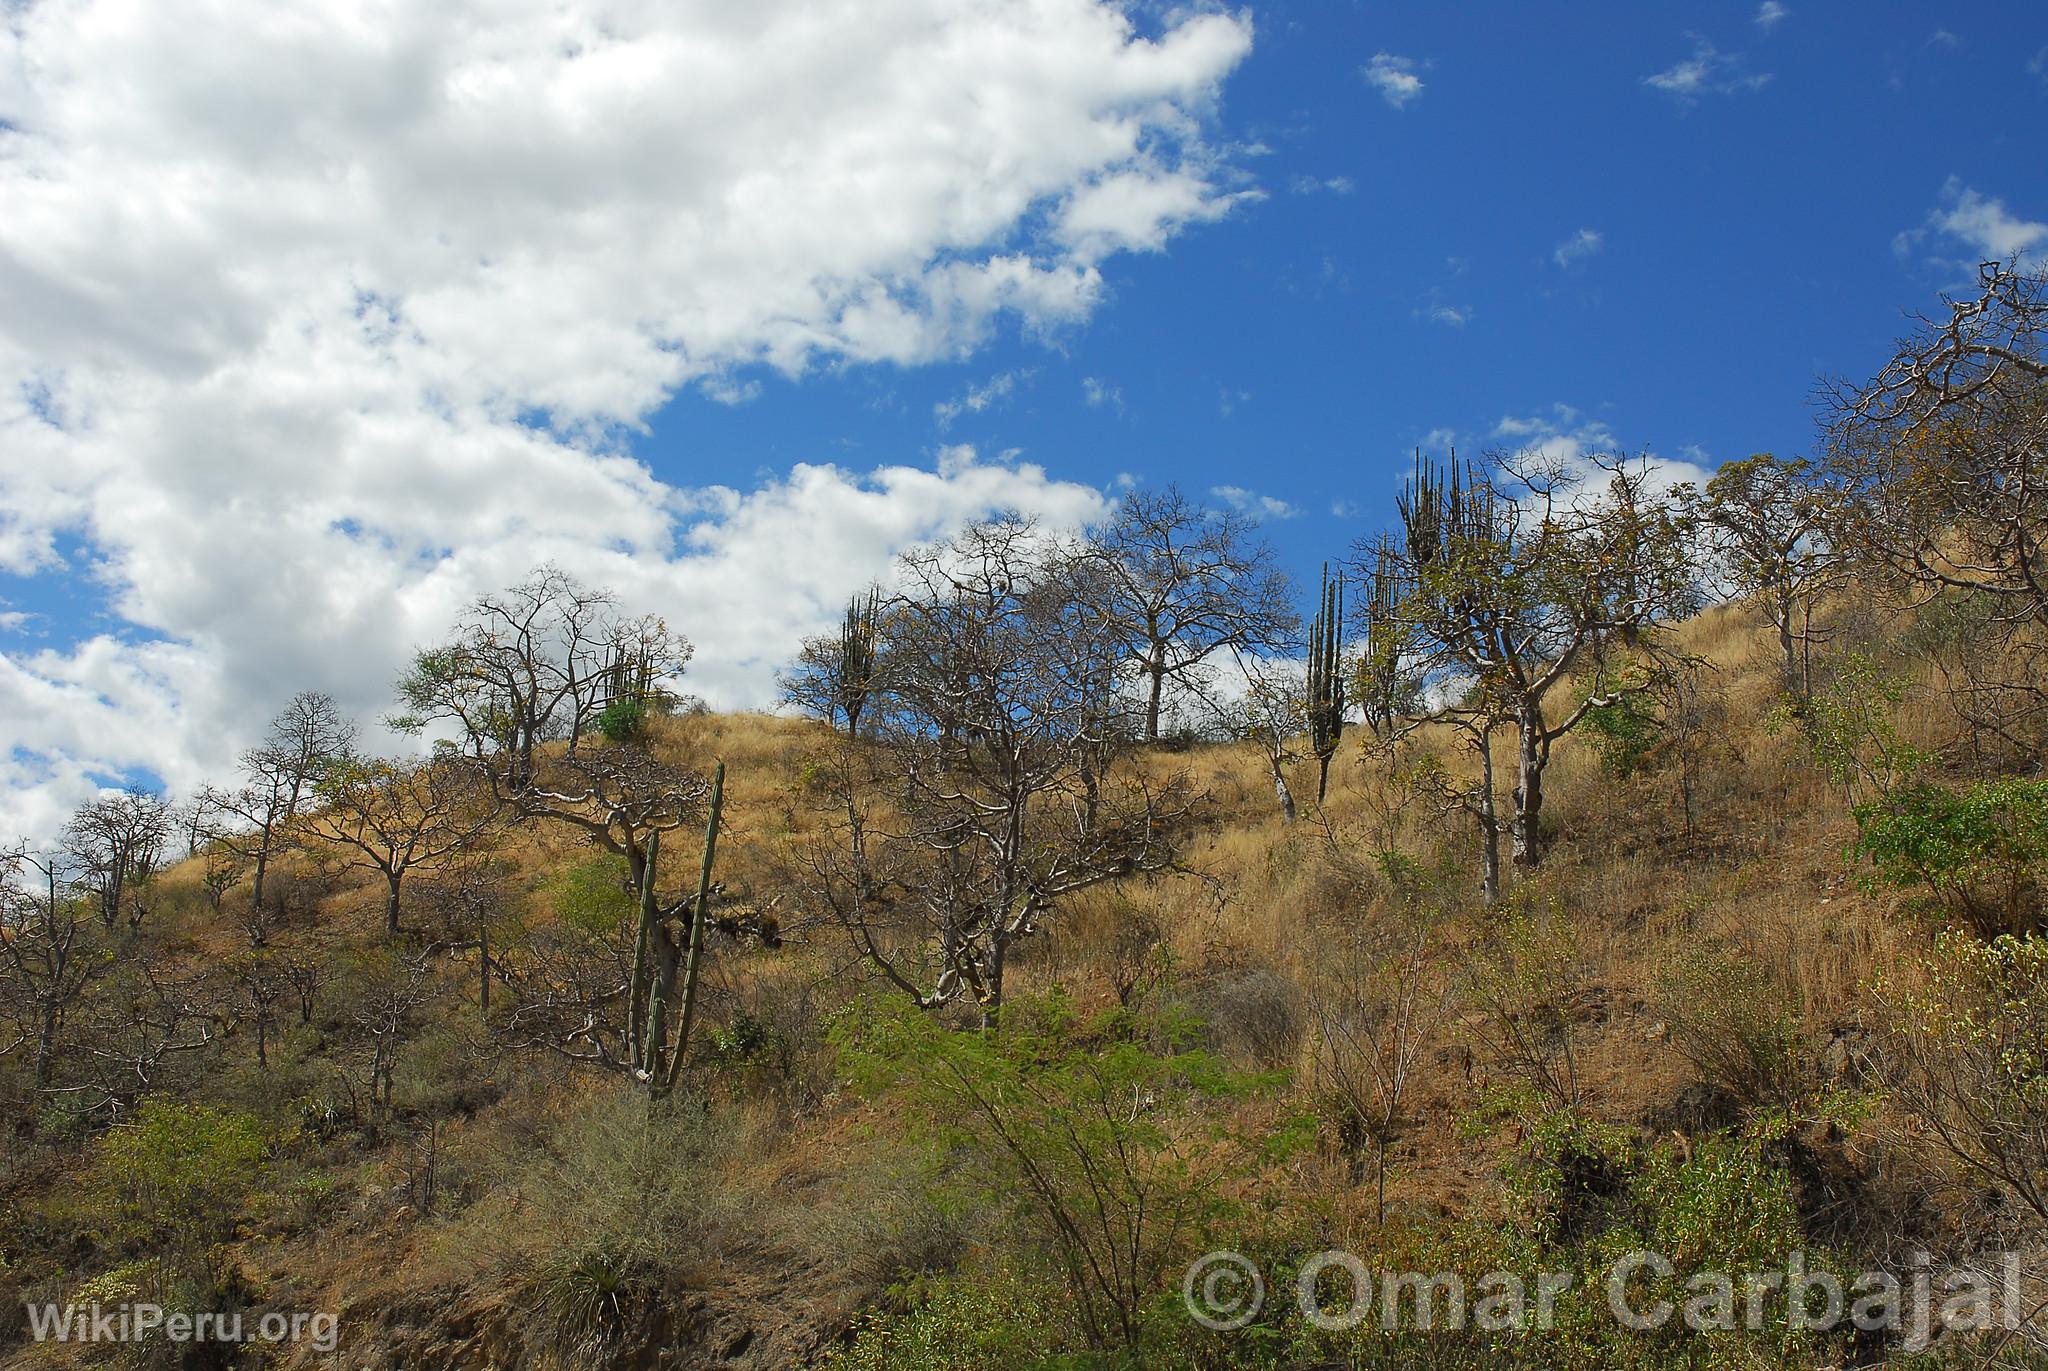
1251,502
2037,65
1455,316
1707,72
1770,14
1980,223
319,323
1585,243
1317,185
1098,392
975,399
1569,439
1394,78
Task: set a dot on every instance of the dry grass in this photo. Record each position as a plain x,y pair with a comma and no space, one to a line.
1243,931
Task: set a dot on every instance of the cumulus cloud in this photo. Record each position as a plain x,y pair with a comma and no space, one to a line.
319,323
1770,14
1394,78
1980,223
1564,437
1708,71
1585,243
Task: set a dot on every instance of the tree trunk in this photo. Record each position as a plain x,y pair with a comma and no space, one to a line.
1155,672
992,990
699,914
46,1047
1280,789
1489,825
1527,840
391,881
483,971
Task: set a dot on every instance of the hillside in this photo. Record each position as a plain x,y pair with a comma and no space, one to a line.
513,1208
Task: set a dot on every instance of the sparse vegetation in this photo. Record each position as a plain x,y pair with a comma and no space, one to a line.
945,1029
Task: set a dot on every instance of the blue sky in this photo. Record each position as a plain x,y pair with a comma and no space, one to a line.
1419,268
311,332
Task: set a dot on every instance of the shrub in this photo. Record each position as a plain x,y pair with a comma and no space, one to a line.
1089,1131
177,1178
991,1322
1969,1057
623,721
1979,850
1737,1024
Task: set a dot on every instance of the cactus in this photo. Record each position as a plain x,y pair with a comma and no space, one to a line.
659,961
1325,705
857,657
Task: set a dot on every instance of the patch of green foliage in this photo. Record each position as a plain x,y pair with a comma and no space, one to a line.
1978,850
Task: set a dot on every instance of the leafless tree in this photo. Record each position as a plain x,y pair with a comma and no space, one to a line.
1520,581
254,985
995,785
535,663
1183,582
467,900
624,997
391,997
393,817
1772,525
253,821
1270,714
835,673
116,844
48,951
1380,1000
139,1020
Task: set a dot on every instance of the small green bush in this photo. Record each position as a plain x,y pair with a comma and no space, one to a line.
1980,851
624,721
179,1172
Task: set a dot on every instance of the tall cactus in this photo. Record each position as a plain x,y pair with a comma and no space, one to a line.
659,961
1325,707
857,657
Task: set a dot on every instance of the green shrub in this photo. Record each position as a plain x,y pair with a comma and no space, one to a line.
178,1175
1088,1131
1967,1054
1979,851
991,1322
596,896
624,721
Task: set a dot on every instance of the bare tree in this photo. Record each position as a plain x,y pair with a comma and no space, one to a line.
1943,457
253,821
994,787
256,984
391,996
1380,1001
468,900
1944,453
391,817
535,663
1519,582
1772,523
1184,582
625,998
835,673
49,954
116,843
1271,714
